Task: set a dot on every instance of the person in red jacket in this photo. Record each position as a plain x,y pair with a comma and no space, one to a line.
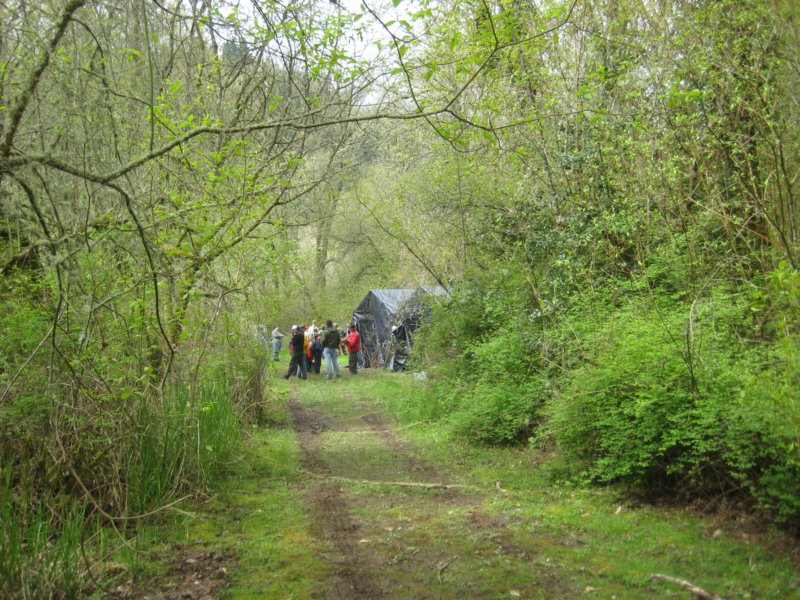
353,344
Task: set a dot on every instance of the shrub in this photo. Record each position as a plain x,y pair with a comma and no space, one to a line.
493,413
762,440
628,411
677,399
499,401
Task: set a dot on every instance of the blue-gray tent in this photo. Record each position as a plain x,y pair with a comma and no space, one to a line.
386,320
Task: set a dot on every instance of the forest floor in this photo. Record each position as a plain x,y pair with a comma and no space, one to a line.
337,499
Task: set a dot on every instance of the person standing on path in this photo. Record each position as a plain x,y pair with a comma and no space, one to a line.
277,342
353,344
306,343
342,334
330,349
298,362
316,354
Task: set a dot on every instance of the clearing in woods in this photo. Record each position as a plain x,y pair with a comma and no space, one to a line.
337,499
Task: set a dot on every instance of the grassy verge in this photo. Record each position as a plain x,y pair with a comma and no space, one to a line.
588,540
258,513
253,526
512,531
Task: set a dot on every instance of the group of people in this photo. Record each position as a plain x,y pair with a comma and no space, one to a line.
309,345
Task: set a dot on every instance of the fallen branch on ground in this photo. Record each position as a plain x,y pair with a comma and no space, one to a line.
442,566
697,591
383,428
412,484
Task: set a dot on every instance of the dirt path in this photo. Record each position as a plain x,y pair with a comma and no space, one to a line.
358,449
360,571
332,501
371,497
331,514
392,530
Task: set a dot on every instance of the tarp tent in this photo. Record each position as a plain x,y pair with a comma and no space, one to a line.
386,310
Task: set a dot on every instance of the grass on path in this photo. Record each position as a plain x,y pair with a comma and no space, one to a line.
511,531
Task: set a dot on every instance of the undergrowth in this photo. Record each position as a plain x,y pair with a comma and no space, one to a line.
695,397
177,448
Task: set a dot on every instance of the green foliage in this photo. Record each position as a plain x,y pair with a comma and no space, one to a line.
497,402
762,438
623,225
24,327
666,399
481,348
638,382
631,408
502,411
565,539
186,440
39,551
637,232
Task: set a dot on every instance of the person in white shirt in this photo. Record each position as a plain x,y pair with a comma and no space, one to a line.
277,342
313,330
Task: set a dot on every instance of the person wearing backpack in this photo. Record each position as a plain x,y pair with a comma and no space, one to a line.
330,350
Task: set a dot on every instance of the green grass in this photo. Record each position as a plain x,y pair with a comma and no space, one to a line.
255,514
39,551
593,539
513,530
258,513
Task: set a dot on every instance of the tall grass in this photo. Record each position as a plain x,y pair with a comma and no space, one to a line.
183,441
40,550
176,446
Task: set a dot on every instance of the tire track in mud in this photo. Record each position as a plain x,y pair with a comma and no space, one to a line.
408,462
379,561
331,514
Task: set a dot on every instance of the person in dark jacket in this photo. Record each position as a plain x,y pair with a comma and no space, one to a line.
316,354
298,357
330,350
353,344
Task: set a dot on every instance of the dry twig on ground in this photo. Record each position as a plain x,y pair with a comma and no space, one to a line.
414,484
442,566
697,591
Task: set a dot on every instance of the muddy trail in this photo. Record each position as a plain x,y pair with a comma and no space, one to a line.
402,514
332,517
339,496
383,559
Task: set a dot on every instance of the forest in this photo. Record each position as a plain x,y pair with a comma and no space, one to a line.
607,189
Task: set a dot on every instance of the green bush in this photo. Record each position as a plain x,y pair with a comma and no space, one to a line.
627,412
762,438
499,414
675,398
483,350
24,330
500,400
